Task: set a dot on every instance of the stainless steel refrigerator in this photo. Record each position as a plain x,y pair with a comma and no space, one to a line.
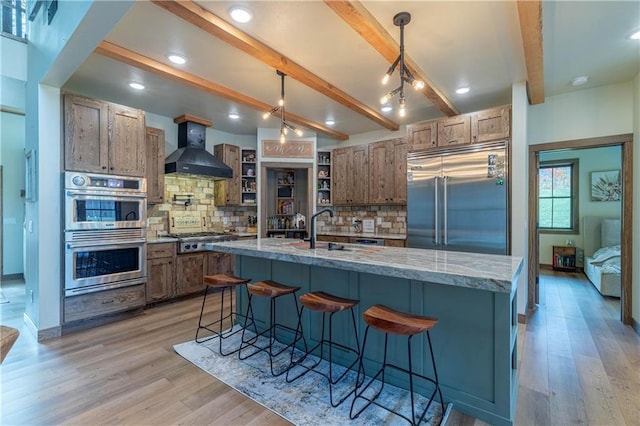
458,199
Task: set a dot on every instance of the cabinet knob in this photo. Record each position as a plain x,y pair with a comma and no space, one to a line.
104,167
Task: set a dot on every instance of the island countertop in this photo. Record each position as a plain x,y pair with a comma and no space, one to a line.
494,273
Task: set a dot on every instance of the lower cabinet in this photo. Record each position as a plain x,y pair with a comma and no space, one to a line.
161,271
191,269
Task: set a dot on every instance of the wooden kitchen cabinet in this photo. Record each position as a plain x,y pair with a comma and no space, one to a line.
422,135
490,125
161,271
454,130
350,184
155,165
220,263
388,172
106,302
228,191
102,137
190,273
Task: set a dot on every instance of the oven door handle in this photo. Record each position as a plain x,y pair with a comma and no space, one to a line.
76,245
110,194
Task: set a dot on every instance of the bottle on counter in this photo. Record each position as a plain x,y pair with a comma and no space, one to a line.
287,223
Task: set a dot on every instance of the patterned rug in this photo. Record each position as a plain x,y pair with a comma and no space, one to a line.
306,400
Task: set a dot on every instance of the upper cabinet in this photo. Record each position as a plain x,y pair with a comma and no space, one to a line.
388,172
155,165
102,137
492,124
350,183
227,191
482,126
454,131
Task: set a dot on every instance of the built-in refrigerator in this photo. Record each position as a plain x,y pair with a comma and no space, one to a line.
458,199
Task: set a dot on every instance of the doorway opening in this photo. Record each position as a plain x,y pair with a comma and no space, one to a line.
626,173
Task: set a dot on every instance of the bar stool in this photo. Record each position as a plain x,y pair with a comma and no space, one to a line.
226,283
327,304
390,321
273,291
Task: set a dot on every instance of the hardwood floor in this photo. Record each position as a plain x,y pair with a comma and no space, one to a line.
578,364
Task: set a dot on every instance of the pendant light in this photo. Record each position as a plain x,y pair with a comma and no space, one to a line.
400,20
284,126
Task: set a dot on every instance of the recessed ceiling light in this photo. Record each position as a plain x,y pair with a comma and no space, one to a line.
579,81
330,122
177,59
635,35
234,116
136,85
386,108
462,90
240,14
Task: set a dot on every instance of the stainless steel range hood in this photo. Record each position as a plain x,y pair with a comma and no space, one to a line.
191,157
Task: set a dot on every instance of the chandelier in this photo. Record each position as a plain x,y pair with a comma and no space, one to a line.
400,20
284,126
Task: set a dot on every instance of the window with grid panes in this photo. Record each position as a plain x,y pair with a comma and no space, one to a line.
558,196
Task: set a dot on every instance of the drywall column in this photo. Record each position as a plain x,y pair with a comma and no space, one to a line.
635,276
519,187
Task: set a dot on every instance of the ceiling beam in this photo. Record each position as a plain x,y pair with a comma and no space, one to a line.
134,59
214,25
363,22
530,14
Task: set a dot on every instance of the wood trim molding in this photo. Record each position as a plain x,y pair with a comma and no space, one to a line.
217,27
625,141
530,14
145,63
361,20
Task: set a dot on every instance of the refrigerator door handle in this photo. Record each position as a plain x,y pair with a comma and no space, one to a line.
436,228
445,210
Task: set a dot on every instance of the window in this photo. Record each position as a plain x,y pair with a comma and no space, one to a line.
558,196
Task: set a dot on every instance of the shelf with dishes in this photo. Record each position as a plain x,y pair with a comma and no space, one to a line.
324,178
249,183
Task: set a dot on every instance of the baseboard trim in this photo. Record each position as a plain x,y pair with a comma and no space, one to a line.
40,335
13,277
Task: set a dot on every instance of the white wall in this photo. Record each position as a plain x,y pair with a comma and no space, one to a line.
589,160
13,61
12,160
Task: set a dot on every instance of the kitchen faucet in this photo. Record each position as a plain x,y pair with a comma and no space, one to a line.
312,238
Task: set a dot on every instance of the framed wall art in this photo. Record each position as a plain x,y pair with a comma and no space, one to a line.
606,186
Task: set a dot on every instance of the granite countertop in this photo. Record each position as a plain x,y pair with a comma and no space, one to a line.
161,240
363,235
494,273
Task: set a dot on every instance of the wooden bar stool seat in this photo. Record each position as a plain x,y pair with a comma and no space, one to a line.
226,284
273,291
390,321
326,303
8,336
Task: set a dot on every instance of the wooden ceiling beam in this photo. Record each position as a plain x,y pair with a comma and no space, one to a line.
530,14
364,23
134,59
214,25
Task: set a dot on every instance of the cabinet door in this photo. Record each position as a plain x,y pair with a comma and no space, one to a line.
85,135
190,273
341,172
422,135
454,131
381,172
155,165
220,263
398,194
490,125
359,177
228,191
160,279
126,141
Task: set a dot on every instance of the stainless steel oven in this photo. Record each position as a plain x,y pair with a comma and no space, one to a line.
104,259
94,201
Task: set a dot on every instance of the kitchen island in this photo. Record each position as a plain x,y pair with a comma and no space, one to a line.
472,295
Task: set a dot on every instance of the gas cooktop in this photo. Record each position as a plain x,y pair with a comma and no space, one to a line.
195,241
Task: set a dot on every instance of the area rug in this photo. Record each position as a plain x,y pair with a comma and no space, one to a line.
306,400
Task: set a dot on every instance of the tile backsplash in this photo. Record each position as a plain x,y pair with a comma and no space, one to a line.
202,190
387,219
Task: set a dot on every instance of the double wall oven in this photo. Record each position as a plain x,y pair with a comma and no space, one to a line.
105,236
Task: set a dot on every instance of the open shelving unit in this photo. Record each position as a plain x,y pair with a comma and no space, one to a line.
564,258
324,178
249,172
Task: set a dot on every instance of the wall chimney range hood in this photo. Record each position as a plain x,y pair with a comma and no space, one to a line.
191,157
